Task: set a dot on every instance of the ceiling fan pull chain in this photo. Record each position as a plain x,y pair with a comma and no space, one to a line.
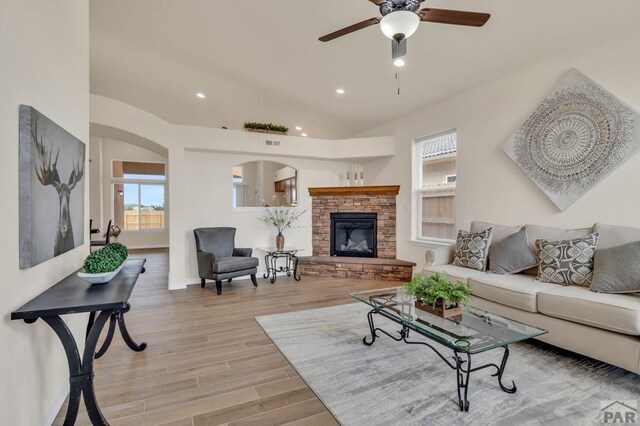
398,78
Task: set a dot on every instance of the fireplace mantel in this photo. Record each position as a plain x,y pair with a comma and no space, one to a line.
355,190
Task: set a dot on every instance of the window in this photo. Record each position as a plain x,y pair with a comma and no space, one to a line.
138,195
435,191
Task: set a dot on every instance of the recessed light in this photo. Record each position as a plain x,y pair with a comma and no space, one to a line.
304,134
201,95
298,128
399,62
340,91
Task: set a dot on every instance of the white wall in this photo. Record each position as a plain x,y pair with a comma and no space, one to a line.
186,142
208,178
108,150
490,187
44,48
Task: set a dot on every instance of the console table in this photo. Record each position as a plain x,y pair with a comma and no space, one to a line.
73,295
271,262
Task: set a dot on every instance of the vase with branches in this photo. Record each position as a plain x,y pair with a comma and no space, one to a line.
282,218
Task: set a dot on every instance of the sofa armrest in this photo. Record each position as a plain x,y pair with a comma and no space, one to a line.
205,263
440,255
242,252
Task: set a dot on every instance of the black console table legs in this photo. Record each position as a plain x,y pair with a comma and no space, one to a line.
118,316
125,333
109,338
80,371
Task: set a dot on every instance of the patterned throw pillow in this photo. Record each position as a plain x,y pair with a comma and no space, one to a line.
472,249
568,262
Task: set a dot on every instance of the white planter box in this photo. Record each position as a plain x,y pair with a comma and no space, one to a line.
103,278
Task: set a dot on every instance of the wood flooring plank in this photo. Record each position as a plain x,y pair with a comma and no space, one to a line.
251,408
280,386
322,419
286,414
215,388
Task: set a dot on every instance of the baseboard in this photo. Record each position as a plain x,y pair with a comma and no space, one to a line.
55,405
177,285
148,246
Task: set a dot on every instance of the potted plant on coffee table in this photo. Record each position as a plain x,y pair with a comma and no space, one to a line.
437,295
102,265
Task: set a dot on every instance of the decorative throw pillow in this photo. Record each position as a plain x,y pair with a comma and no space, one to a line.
472,249
617,269
512,254
568,262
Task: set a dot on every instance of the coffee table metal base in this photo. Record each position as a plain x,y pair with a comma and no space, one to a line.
461,365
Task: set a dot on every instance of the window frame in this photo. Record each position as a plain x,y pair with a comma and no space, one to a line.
123,181
418,190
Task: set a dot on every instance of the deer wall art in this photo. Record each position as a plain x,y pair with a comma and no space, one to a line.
51,205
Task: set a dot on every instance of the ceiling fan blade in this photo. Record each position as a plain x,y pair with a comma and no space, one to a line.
377,2
350,29
454,17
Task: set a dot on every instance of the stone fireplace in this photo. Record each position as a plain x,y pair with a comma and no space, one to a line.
354,234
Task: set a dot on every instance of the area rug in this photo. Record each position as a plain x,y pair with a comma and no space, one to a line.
391,383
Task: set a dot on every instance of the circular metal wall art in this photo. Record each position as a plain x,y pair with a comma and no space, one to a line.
573,139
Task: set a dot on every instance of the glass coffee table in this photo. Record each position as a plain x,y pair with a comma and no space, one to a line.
471,333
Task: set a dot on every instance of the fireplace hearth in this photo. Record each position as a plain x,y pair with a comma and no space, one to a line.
354,234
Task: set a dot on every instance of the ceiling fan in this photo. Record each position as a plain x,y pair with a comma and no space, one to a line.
401,18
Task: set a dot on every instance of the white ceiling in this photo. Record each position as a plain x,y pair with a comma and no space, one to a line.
262,61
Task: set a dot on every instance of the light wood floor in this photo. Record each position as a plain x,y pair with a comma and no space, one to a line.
208,361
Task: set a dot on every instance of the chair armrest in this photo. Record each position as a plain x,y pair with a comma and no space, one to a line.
205,263
440,255
242,252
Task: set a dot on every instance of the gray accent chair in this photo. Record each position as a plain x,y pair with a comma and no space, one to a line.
219,259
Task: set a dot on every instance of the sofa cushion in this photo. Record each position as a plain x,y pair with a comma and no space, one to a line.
568,262
537,232
617,269
472,249
613,235
498,232
456,273
232,264
512,254
614,312
518,291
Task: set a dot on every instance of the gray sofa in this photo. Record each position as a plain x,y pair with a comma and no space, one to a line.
605,327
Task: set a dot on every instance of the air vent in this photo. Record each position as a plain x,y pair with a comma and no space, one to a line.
273,143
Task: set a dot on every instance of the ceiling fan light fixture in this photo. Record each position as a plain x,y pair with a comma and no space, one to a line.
401,22
399,62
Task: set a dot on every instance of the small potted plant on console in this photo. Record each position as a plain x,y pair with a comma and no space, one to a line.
438,295
102,265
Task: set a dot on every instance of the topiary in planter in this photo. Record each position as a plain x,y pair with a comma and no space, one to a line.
118,250
107,259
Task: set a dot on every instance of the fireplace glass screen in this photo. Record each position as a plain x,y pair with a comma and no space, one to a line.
354,234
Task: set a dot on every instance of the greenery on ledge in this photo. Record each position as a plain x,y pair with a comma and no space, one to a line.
267,127
429,290
107,259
